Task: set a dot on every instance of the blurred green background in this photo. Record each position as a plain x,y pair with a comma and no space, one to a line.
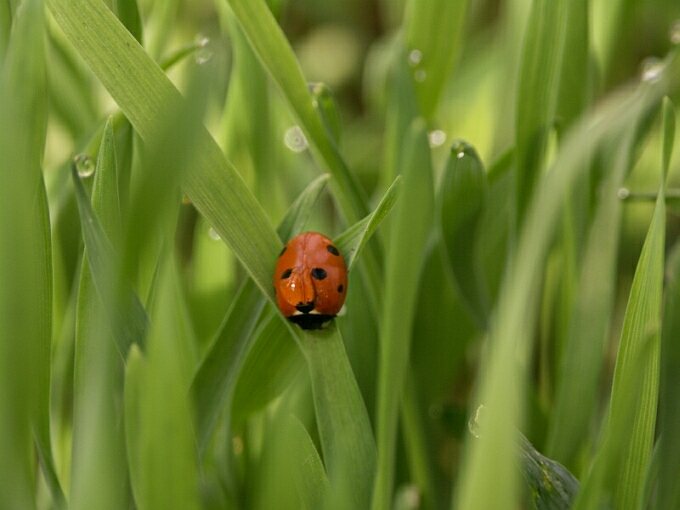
142,365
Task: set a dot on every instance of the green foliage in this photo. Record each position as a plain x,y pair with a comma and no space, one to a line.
508,339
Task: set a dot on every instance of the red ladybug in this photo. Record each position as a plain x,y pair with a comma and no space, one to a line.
310,280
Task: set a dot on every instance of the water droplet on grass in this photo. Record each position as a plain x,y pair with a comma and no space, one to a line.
623,193
85,165
652,70
295,139
675,32
203,53
474,422
213,234
436,138
415,57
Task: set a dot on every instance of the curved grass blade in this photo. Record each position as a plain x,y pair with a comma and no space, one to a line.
309,476
351,241
406,249
537,93
461,201
124,311
144,94
434,30
168,474
98,481
341,416
276,54
25,261
490,461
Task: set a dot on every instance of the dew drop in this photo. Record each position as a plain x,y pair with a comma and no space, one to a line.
652,69
474,422
415,57
203,52
420,75
295,139
623,193
675,32
436,138
460,155
84,165
213,234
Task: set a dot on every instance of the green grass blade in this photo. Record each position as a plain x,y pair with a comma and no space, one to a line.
216,376
135,371
166,451
583,354
25,260
490,461
668,495
341,416
144,94
537,93
98,481
269,367
309,475
642,319
668,113
461,201
406,248
551,485
125,313
128,13
276,54
352,241
434,30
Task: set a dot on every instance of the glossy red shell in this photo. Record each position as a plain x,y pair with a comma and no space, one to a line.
310,277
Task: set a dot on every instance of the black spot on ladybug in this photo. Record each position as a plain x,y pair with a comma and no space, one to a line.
305,307
319,273
340,288
283,251
286,273
332,249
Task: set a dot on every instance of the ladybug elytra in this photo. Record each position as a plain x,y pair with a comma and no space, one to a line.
310,280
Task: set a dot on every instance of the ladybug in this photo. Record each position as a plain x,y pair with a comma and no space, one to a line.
310,280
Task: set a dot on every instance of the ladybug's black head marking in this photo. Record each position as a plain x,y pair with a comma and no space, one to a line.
332,249
286,273
305,307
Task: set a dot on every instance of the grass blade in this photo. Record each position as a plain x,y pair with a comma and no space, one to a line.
25,260
98,481
406,248
165,448
537,93
582,357
490,461
461,201
144,94
125,313
668,495
276,54
351,241
341,416
310,477
434,30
